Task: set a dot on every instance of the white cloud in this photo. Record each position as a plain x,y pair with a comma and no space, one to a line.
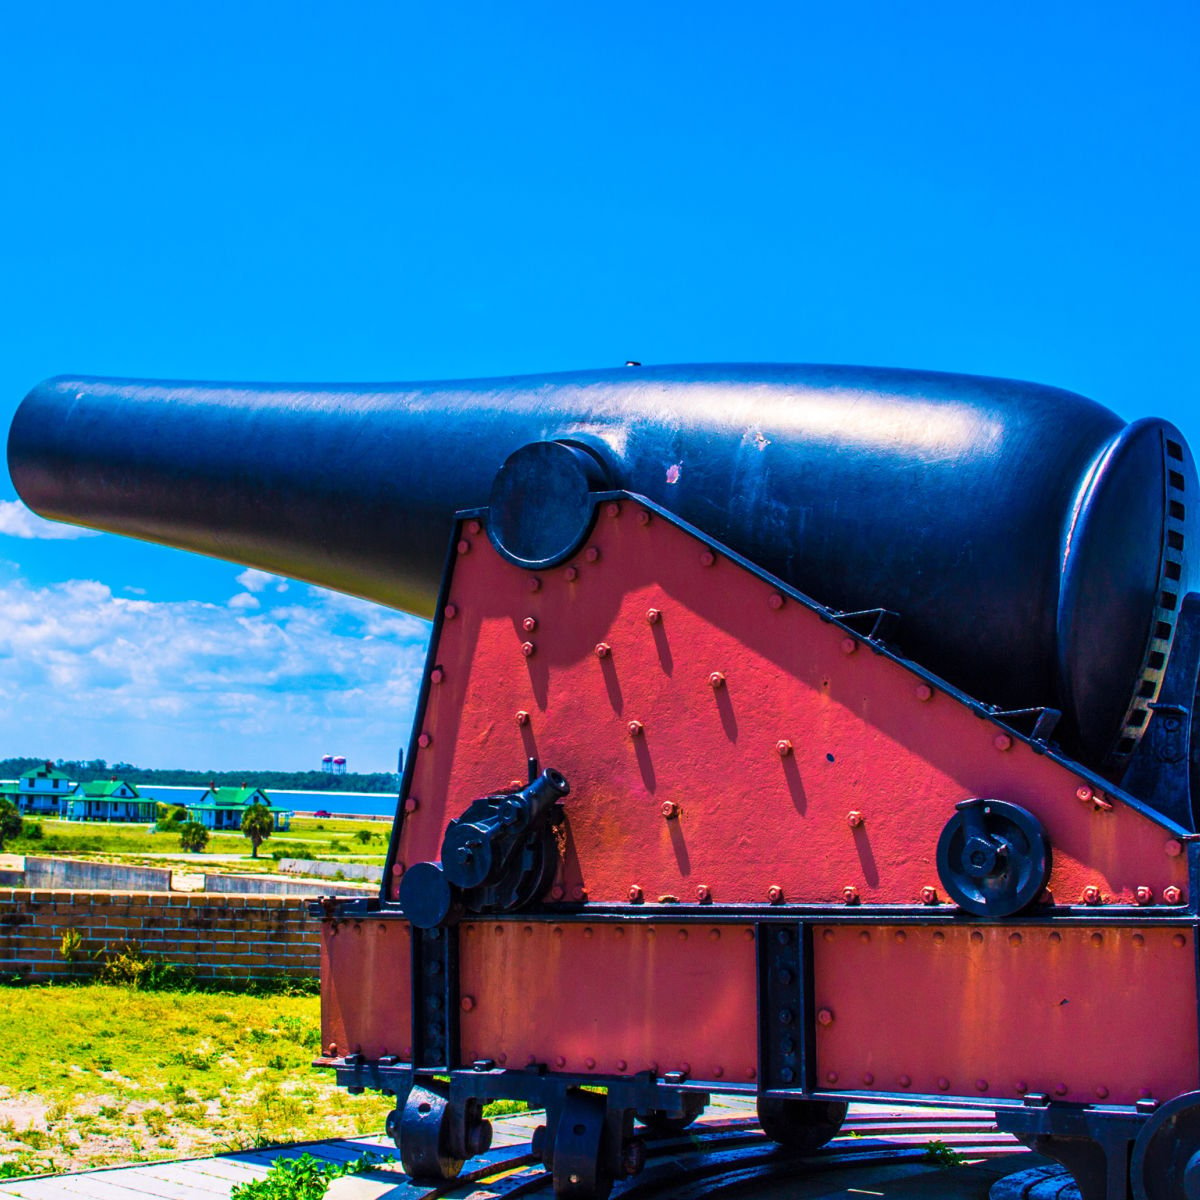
254,580
18,521
85,673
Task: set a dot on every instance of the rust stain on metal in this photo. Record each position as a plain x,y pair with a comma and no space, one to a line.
1067,1005
643,1003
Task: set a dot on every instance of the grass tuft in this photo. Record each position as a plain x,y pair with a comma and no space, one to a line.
944,1156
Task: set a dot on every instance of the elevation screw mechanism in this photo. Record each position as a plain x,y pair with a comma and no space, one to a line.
498,856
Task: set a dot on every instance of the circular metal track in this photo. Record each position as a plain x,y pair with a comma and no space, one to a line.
944,1153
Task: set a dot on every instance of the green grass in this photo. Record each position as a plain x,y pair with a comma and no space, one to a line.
337,826
101,1075
309,837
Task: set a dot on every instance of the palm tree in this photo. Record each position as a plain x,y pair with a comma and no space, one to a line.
258,823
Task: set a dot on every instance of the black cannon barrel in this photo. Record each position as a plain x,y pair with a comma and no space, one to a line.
1033,543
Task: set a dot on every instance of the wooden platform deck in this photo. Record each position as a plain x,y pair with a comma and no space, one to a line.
186,1179
211,1178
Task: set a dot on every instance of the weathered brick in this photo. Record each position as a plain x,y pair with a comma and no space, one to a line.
235,937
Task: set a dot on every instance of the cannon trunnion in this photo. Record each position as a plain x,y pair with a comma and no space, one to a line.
822,734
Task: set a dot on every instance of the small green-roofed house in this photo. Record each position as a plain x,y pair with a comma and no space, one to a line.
109,800
44,791
223,807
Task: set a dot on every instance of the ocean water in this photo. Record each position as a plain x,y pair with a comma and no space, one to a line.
350,804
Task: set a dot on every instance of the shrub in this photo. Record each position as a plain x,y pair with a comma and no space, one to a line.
157,1121
198,1058
504,1108
128,965
297,1029
10,822
943,1155
70,946
303,1178
193,837
171,818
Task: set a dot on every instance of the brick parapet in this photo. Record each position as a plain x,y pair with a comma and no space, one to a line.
220,936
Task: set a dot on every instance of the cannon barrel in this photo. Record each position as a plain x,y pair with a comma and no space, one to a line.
1032,542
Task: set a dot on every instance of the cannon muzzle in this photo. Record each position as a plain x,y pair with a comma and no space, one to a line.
1033,543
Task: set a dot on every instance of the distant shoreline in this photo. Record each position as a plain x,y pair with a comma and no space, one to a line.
346,816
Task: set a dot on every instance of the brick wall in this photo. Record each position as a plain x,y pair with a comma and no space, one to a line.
219,937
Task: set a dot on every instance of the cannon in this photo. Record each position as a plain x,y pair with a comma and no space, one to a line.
765,706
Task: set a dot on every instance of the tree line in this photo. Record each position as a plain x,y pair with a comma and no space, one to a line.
288,781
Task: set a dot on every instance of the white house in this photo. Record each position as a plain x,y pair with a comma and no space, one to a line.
109,800
44,791
223,808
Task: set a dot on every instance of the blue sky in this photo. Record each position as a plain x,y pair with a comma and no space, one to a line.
384,191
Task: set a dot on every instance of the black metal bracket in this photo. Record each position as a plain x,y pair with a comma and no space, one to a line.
435,998
786,1050
1094,1144
875,624
343,908
1043,721
643,1092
